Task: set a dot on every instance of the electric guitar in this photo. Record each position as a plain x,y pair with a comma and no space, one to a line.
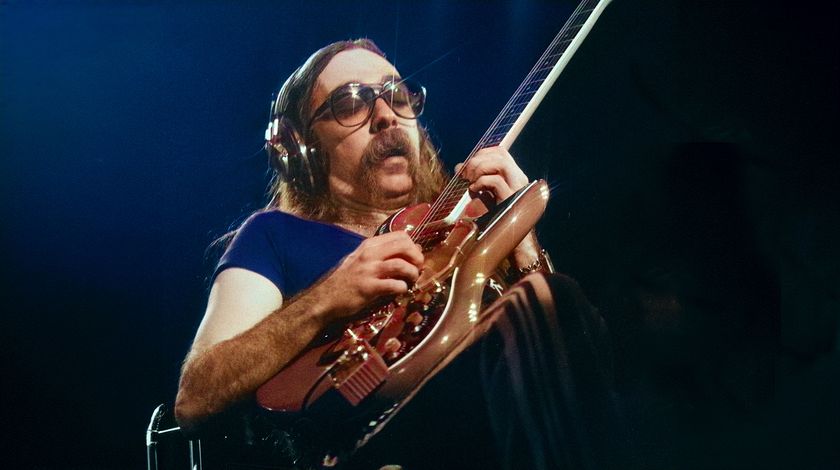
355,379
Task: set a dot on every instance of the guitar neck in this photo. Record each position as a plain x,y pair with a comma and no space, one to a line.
518,110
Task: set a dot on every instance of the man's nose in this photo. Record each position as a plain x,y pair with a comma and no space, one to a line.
383,116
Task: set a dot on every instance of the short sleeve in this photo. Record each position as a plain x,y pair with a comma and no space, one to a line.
291,252
253,249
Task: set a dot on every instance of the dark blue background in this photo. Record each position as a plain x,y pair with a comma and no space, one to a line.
131,138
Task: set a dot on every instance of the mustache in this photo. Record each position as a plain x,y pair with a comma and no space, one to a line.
389,143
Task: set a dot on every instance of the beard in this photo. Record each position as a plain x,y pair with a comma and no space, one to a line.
387,144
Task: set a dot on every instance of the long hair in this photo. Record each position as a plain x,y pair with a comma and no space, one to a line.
294,101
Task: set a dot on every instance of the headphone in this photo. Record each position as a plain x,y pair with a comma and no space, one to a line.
288,154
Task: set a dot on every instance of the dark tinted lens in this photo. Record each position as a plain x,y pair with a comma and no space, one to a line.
406,98
399,99
351,105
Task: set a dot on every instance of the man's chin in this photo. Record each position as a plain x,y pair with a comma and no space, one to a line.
395,183
395,191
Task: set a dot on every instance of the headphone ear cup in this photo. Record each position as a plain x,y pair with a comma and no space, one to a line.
288,153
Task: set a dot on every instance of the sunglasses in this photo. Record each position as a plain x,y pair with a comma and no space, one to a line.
352,104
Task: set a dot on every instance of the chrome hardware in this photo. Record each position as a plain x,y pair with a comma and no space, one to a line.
358,371
403,300
415,318
392,345
497,288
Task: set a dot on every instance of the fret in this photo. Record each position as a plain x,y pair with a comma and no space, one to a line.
451,200
536,77
458,188
517,108
447,206
454,201
451,196
445,209
570,28
525,96
461,184
447,200
492,141
584,13
510,120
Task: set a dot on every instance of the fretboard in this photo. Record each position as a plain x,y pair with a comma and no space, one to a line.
515,114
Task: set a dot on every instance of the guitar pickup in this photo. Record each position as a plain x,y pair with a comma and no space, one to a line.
358,372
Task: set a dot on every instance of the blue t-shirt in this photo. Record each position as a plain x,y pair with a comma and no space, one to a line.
291,252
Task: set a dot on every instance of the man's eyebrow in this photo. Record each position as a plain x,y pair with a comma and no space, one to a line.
391,77
388,77
345,84
385,78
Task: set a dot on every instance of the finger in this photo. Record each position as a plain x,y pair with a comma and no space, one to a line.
471,168
394,244
508,170
389,237
494,153
390,287
495,184
413,254
495,160
487,166
397,268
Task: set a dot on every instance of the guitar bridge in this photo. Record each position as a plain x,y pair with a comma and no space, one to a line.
358,371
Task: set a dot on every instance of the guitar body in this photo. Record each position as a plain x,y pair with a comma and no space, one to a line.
414,335
351,384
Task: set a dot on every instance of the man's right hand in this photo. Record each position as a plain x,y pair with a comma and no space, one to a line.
241,332
382,265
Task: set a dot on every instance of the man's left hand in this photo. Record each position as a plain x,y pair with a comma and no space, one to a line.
493,169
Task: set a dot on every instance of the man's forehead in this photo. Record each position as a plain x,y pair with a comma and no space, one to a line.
354,65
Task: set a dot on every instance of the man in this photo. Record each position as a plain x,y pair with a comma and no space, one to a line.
310,259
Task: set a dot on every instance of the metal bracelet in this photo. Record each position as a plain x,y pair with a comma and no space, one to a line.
543,263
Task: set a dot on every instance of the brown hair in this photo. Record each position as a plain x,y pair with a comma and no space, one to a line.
294,102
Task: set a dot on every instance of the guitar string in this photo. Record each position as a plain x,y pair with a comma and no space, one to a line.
505,113
510,112
502,124
541,66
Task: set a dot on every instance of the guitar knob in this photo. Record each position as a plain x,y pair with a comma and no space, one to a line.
414,319
402,300
392,345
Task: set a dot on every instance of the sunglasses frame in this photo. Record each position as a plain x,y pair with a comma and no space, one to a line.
380,90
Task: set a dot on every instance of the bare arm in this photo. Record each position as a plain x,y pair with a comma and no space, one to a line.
246,337
231,357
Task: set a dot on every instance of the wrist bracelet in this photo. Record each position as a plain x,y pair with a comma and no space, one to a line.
543,263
